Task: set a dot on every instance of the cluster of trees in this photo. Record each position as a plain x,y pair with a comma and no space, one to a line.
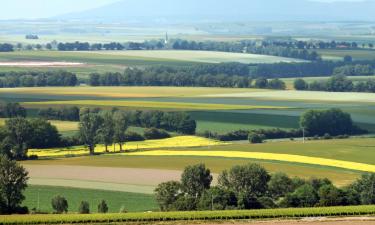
354,70
110,127
10,110
172,76
37,79
252,187
336,83
6,47
19,134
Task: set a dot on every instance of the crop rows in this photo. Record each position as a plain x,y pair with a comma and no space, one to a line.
179,216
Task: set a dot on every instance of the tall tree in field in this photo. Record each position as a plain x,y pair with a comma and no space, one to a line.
13,181
106,130
121,124
195,180
89,125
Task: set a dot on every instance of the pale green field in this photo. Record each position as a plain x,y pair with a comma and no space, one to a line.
146,57
293,95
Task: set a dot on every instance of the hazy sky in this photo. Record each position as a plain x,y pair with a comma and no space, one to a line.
29,9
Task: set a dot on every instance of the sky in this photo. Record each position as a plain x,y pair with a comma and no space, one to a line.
33,9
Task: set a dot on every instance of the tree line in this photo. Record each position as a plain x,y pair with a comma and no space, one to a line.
37,79
314,123
5,47
139,77
179,122
336,83
252,187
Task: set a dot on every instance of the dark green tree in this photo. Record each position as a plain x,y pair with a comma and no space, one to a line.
89,126
102,207
279,185
195,180
121,124
300,84
250,179
106,130
84,208
19,132
167,195
59,204
13,181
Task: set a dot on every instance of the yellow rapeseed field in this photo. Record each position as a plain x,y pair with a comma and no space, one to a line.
174,142
264,156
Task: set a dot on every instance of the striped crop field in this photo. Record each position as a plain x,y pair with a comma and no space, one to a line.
151,105
265,156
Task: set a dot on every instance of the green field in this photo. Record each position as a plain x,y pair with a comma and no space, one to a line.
358,54
132,202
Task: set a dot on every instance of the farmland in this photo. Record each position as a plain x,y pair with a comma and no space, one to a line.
190,216
133,202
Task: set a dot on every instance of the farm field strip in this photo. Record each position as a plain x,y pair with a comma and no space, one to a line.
124,92
189,216
39,196
174,142
145,56
304,96
150,104
264,156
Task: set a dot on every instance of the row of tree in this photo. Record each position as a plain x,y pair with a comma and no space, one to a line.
336,83
179,122
60,205
252,187
37,79
154,77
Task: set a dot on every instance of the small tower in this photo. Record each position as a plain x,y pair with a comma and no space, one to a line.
166,41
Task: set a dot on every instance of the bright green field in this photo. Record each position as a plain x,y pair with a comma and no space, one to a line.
133,202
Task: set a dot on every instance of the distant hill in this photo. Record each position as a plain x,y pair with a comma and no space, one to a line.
170,11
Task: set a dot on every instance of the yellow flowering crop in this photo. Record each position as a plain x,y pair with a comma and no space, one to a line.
174,142
264,156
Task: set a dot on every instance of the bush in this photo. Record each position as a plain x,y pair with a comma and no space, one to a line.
59,204
153,133
84,208
102,207
255,138
133,136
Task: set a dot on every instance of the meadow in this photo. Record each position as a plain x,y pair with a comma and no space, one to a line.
39,197
357,54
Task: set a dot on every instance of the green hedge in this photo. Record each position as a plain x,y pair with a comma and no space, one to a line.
203,215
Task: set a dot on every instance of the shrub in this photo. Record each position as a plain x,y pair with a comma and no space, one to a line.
255,138
102,207
153,133
133,136
84,208
59,204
